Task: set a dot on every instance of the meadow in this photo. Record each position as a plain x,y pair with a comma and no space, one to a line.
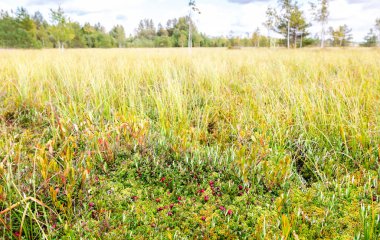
161,144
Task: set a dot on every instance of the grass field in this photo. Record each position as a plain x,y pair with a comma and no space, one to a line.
222,144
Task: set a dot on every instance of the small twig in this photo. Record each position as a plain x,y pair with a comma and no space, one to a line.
24,200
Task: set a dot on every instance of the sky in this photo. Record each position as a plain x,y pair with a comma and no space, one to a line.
217,18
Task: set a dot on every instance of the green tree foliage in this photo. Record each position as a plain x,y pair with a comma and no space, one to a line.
102,39
25,21
162,39
181,30
17,31
256,38
341,36
214,42
89,35
42,26
22,30
291,23
283,19
96,36
78,41
370,39
174,35
61,29
146,29
118,34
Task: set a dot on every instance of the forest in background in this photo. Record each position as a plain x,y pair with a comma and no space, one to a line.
21,29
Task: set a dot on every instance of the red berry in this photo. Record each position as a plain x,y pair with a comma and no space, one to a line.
91,204
159,209
170,214
203,218
134,198
179,198
222,208
171,206
240,187
17,234
206,198
229,212
202,191
162,179
211,183
158,200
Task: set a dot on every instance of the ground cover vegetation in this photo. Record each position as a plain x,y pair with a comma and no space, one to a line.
217,144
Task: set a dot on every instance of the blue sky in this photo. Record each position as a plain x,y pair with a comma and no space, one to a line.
218,17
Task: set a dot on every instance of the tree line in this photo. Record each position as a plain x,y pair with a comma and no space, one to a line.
20,29
289,20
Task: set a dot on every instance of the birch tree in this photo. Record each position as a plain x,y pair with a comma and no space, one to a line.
193,8
286,10
269,23
320,10
60,29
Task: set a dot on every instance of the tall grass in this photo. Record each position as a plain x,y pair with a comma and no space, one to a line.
301,127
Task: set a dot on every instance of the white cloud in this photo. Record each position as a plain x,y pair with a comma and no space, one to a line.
356,14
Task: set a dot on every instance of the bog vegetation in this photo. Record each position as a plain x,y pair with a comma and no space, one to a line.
141,144
259,144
